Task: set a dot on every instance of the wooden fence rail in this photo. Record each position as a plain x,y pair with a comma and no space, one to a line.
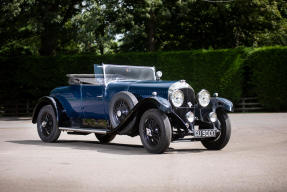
248,104
17,108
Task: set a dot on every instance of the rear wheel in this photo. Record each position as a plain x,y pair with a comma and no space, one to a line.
47,124
155,131
105,138
225,131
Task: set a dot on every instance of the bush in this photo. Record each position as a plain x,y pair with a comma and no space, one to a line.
269,76
260,71
214,70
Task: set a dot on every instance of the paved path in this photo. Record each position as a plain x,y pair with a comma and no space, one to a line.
254,160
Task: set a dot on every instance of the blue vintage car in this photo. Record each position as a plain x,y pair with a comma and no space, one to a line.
132,100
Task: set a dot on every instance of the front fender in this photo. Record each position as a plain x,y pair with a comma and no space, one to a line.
223,103
46,100
145,104
156,102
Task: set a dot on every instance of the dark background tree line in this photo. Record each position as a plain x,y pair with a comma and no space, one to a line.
51,27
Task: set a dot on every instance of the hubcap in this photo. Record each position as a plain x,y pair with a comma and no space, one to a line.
148,132
119,113
46,124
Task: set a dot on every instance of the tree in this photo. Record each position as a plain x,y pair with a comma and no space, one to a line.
48,27
189,24
96,27
42,20
51,17
144,18
16,29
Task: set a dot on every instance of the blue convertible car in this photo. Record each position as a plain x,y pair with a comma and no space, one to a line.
132,100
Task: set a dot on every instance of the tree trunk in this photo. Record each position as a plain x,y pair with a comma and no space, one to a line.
49,39
102,49
151,31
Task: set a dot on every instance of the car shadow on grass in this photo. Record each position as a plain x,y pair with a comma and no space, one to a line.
111,148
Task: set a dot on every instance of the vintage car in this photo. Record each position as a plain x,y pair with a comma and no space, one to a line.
132,100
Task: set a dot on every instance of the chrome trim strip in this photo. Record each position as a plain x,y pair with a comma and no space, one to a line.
85,130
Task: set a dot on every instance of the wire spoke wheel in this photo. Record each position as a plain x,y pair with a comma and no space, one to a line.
152,131
155,131
120,106
47,124
120,111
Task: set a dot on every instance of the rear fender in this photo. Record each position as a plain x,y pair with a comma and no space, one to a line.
46,100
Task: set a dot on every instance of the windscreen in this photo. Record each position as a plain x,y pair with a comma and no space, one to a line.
127,73
99,74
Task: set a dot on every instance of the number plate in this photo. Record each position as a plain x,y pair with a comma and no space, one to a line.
204,133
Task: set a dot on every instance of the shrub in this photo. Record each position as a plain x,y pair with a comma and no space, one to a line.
269,76
260,71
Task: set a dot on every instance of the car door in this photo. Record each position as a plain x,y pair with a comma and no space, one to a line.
93,101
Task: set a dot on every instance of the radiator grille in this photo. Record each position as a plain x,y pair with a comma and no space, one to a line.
189,96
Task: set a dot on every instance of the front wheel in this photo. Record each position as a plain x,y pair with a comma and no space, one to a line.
155,131
47,124
225,128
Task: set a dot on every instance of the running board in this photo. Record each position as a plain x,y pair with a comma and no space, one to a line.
85,130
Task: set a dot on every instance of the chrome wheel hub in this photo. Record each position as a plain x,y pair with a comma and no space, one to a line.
119,113
44,123
148,132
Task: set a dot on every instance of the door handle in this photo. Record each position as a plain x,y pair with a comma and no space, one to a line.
100,96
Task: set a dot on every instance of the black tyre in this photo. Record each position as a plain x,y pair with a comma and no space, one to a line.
221,141
47,124
120,106
155,131
105,138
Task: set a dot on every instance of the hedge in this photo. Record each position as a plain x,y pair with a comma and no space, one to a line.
268,72
232,73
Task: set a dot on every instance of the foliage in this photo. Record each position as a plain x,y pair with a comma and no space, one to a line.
37,22
213,70
95,30
268,76
50,27
232,73
183,25
17,33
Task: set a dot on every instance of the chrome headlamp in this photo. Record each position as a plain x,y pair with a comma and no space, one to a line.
212,117
190,116
177,98
203,98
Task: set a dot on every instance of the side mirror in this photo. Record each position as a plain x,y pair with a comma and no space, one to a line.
158,75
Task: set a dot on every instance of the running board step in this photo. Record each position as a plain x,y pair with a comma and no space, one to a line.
85,130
